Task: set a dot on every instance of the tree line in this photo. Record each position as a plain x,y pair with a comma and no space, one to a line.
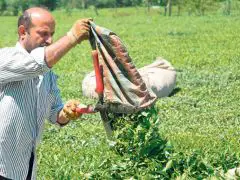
14,7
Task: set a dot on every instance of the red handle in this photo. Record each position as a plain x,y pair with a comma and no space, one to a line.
85,110
98,73
99,84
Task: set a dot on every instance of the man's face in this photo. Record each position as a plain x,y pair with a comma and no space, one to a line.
40,33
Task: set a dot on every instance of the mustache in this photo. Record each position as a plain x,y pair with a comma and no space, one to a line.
44,44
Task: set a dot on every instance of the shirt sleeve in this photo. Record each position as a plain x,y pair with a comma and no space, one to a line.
56,104
17,65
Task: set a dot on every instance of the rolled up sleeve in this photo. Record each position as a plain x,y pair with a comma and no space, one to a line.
39,56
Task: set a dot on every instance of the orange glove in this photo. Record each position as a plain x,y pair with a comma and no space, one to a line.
69,110
79,31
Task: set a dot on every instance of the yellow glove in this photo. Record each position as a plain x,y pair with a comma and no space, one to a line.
79,31
69,110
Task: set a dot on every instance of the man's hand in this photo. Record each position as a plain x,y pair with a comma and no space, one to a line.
69,110
79,31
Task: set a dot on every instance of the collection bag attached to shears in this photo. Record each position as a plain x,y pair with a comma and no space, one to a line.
124,89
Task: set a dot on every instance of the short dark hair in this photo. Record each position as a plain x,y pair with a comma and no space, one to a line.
25,20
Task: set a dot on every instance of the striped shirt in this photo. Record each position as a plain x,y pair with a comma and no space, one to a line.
28,95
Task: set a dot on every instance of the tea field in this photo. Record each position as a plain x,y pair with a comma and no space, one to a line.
199,123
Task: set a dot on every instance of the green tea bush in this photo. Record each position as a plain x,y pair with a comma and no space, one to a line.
146,154
137,140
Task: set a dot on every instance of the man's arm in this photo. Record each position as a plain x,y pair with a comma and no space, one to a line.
60,113
17,65
54,52
78,33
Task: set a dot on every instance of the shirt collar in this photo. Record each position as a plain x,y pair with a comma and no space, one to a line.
20,47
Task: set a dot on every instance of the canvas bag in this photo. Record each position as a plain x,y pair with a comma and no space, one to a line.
124,89
159,76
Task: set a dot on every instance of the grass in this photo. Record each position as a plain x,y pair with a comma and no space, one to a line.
203,116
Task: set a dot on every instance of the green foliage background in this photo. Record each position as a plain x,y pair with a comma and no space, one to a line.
201,121
196,7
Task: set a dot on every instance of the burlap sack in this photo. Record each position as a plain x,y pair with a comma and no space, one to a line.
160,77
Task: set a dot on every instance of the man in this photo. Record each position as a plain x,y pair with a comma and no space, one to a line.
28,90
